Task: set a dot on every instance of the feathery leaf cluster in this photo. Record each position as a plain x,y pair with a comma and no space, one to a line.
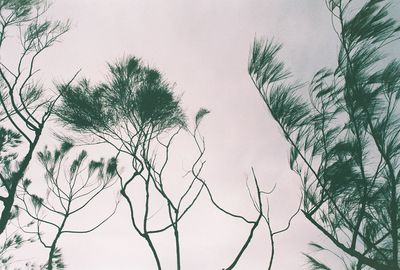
345,137
134,94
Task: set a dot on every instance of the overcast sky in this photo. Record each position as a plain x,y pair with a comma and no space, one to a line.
202,46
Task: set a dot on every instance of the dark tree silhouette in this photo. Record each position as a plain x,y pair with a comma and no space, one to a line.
345,137
23,109
137,113
71,188
261,204
13,238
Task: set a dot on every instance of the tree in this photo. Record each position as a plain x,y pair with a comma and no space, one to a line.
263,215
137,113
24,110
65,196
13,240
345,136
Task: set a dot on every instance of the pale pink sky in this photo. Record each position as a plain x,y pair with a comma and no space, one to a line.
203,46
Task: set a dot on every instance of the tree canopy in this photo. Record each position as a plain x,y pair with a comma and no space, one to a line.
344,136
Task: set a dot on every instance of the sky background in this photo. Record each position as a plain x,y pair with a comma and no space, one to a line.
203,47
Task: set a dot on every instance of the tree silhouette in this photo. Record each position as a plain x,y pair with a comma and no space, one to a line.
345,137
23,108
137,113
261,204
82,182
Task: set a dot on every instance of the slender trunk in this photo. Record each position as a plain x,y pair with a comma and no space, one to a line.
145,234
154,251
14,181
177,245
52,251
53,247
272,252
7,204
246,244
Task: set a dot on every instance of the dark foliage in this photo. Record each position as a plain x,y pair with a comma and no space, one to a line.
71,188
345,136
23,107
134,94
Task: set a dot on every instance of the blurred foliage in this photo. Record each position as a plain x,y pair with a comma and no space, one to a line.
345,136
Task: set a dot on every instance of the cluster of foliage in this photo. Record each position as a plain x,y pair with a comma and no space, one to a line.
133,112
81,184
24,111
345,136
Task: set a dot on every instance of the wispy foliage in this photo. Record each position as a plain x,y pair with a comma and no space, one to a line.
71,188
134,94
23,107
12,242
345,137
136,112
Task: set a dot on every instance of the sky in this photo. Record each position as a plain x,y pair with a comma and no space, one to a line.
203,47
